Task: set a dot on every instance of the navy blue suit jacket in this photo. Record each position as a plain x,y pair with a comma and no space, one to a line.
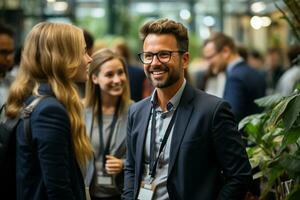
49,169
243,85
207,157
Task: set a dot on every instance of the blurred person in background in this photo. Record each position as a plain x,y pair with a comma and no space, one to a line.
255,59
274,67
7,48
243,84
210,81
242,51
139,85
52,165
291,77
107,101
17,60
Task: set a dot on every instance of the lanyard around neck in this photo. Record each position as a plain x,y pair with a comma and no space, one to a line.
153,160
105,149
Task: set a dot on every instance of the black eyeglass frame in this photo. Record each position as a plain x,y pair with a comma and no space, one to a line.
140,55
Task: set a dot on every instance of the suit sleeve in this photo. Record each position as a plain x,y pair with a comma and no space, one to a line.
51,129
129,170
231,155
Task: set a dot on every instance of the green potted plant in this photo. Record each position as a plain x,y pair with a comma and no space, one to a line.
275,146
273,136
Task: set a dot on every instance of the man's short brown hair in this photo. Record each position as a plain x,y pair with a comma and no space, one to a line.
166,26
220,41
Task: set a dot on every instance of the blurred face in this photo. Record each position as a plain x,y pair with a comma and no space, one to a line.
6,52
111,78
215,60
164,74
81,75
272,60
255,62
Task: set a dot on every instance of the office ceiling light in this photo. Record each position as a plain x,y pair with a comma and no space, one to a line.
209,21
258,7
266,21
256,22
185,14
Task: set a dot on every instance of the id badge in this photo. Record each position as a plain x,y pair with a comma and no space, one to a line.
146,191
103,179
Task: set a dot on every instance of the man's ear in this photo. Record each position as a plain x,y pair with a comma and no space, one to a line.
185,60
226,52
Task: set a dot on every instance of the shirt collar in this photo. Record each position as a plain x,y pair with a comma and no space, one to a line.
232,64
174,101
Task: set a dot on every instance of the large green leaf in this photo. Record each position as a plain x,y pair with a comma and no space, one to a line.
292,112
291,163
272,134
268,101
291,136
279,109
254,119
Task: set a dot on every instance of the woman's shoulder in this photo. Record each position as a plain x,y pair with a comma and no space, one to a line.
50,106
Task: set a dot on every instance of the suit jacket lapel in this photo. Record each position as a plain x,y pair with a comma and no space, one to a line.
184,112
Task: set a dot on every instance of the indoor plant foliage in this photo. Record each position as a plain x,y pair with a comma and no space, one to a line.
273,136
274,145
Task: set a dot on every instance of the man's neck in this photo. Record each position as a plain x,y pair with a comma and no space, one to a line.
165,94
233,57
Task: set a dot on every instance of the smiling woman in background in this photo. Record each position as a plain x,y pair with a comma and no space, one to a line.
107,101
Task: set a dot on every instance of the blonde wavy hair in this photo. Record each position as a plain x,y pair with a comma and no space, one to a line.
93,92
52,54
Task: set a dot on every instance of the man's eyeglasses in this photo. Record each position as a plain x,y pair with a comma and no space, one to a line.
162,56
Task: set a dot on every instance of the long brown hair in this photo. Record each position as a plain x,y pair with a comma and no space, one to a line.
52,54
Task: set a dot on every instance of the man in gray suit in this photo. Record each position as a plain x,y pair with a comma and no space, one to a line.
182,143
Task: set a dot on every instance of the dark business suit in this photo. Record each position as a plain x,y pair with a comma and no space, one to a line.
207,159
243,85
49,169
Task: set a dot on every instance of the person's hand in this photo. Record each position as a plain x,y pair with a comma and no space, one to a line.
113,165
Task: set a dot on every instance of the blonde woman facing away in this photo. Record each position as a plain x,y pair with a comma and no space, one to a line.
50,166
107,101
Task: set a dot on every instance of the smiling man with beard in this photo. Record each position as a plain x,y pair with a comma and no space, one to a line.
182,143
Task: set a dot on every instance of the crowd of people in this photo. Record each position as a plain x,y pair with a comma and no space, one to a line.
109,130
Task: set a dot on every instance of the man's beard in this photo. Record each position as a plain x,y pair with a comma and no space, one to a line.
172,78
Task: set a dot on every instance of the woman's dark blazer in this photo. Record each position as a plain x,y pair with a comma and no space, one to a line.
46,167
